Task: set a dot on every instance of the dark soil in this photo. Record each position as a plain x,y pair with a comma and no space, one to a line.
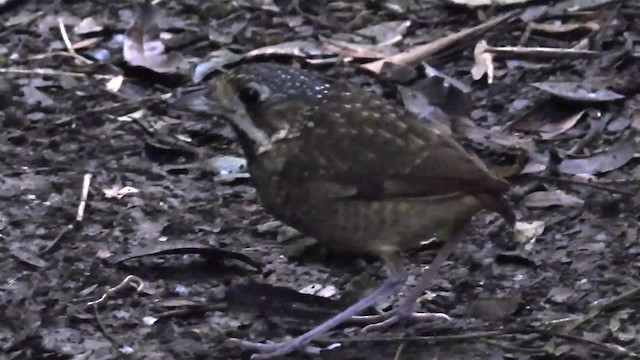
214,265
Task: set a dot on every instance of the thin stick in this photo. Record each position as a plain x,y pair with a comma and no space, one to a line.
52,72
65,37
419,53
83,198
79,216
541,52
68,45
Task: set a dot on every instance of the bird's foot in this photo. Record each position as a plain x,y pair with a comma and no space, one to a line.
301,343
401,313
268,351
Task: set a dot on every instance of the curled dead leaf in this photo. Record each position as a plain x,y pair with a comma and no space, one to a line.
483,62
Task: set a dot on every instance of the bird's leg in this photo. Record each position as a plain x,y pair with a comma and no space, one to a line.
406,308
397,278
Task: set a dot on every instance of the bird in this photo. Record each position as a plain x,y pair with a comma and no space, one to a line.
355,170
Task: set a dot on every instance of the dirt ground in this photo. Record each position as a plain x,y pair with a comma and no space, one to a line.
191,258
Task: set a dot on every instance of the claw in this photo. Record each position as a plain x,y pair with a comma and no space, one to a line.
397,316
389,318
272,350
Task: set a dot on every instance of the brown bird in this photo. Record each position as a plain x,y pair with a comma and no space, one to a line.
354,170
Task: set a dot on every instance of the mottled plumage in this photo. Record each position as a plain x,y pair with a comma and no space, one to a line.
351,168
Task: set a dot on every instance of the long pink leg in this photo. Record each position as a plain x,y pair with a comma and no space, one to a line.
406,309
390,286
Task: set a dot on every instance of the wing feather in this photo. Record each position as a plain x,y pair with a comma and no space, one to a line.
380,149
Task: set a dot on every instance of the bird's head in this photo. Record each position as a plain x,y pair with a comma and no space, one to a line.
263,102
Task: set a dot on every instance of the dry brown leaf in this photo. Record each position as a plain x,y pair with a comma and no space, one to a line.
387,32
468,129
548,131
611,159
358,51
224,31
578,91
548,118
419,53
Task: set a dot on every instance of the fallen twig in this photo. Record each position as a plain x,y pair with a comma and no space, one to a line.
52,72
79,216
68,45
419,53
83,197
541,52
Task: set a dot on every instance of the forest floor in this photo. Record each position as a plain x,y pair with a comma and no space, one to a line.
185,257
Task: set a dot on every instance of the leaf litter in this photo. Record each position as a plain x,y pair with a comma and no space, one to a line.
61,121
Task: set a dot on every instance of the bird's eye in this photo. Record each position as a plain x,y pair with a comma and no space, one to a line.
249,95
